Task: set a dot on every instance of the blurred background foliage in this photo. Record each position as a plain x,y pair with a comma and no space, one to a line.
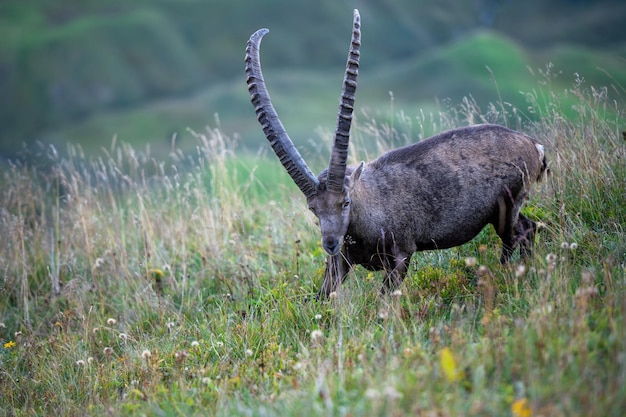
146,70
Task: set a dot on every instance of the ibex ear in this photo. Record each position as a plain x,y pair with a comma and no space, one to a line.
356,174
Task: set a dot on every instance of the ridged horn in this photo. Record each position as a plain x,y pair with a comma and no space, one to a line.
339,153
274,130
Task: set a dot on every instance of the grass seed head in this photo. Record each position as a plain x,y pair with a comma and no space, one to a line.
317,337
551,258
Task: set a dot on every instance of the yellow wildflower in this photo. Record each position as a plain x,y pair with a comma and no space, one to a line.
521,408
449,365
157,273
9,344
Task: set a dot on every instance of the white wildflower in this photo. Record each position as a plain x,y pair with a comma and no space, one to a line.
471,261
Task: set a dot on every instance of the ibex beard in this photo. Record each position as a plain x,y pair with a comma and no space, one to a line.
434,194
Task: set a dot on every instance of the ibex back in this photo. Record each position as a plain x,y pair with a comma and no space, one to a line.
435,194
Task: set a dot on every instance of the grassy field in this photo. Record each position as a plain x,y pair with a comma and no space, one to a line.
182,286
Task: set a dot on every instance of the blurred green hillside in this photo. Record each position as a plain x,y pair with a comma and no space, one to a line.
84,71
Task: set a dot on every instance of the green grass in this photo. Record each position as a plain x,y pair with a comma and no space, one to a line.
133,285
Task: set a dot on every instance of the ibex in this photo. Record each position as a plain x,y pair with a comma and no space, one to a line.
434,194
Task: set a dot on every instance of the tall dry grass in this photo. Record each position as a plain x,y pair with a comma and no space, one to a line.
136,286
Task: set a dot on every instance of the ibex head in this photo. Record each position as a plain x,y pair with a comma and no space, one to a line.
328,195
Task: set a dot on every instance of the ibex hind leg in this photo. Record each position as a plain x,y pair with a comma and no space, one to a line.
514,229
504,222
525,231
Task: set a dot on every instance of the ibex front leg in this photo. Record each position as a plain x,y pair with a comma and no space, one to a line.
397,266
336,271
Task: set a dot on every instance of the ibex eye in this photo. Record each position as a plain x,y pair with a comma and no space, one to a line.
346,204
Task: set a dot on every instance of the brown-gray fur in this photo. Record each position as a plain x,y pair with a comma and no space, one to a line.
435,194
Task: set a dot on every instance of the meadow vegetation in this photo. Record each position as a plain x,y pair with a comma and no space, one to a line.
135,285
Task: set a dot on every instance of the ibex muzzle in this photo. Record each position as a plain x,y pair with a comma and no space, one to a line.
435,194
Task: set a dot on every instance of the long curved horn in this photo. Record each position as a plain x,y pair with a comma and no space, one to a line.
339,153
282,145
